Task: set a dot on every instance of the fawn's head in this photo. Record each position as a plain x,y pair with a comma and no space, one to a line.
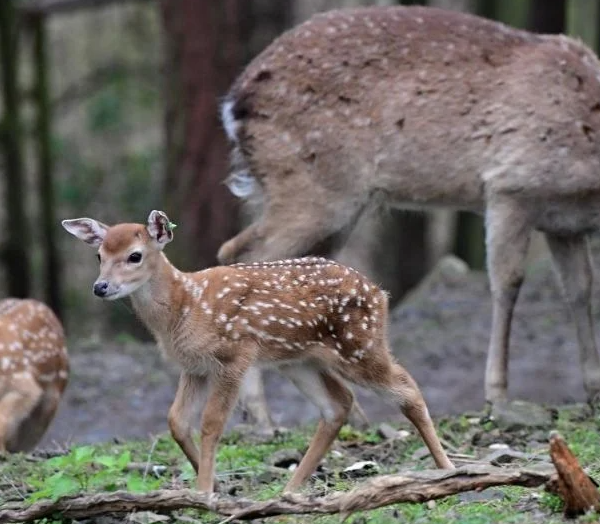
128,253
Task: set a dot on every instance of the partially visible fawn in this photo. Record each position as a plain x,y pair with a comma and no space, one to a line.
316,321
34,368
419,107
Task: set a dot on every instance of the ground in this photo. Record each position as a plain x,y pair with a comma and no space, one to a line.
120,392
258,470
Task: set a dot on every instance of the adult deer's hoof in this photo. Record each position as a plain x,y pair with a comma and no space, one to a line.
518,414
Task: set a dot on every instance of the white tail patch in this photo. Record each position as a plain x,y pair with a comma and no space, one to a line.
241,183
230,124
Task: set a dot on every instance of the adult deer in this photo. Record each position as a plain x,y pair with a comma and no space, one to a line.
314,320
417,107
34,368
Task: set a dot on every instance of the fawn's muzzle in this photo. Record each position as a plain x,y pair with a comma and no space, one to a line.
100,288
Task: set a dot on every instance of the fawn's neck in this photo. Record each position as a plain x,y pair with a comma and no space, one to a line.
159,302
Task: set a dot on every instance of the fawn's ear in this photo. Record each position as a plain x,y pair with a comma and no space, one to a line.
90,231
160,228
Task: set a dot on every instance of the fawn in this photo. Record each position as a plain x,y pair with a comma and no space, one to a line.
34,369
418,107
314,320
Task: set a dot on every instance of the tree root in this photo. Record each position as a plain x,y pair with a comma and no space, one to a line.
418,486
574,486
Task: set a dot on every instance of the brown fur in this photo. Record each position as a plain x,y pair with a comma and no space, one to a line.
314,320
34,369
422,107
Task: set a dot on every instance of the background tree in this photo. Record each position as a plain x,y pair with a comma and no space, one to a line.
203,53
15,251
206,43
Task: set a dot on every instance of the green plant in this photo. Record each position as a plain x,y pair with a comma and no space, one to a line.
84,470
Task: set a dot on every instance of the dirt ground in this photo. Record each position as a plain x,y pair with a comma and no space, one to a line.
124,389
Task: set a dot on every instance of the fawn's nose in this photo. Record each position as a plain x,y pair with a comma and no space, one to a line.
100,288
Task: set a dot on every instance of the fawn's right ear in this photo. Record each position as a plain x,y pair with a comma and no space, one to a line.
90,231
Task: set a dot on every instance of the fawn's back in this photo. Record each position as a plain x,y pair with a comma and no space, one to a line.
33,371
423,105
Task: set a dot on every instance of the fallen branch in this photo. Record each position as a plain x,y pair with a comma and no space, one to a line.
574,485
418,486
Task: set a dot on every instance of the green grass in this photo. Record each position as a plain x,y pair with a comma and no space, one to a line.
244,469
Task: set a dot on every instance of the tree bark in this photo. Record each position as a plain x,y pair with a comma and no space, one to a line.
203,55
48,220
15,252
546,17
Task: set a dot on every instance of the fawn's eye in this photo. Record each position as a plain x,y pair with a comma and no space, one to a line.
135,258
98,257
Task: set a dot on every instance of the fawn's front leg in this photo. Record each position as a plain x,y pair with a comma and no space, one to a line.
224,388
184,413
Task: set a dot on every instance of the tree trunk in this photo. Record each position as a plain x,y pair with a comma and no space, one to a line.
16,250
546,17
48,221
203,55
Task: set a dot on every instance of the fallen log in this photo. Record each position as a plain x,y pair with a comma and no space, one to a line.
575,487
417,486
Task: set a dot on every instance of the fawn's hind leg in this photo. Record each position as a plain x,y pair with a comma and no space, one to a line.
380,373
404,390
36,423
334,400
18,399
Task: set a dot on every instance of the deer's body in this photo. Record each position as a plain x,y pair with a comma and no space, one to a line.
34,369
420,107
290,310
428,107
312,319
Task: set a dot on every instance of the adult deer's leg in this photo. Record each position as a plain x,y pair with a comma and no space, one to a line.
298,215
507,237
256,412
185,413
572,261
253,400
334,400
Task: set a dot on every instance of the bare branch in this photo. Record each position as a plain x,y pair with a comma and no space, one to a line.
418,486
